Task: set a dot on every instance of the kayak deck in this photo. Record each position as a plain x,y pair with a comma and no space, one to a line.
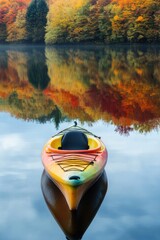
74,162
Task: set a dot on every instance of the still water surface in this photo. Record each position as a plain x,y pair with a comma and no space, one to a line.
113,92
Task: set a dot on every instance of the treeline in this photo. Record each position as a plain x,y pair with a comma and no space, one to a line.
62,21
103,21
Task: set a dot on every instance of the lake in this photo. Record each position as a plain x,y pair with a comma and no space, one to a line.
113,92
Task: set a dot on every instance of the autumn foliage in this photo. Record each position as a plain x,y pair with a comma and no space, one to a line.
61,21
16,16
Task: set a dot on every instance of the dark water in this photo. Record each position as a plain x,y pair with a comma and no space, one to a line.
113,92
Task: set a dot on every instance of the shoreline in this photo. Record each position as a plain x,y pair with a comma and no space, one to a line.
87,45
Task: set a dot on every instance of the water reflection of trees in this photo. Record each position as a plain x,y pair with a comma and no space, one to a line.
37,70
3,60
17,95
120,85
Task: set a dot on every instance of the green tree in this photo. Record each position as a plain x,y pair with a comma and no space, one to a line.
78,28
36,20
105,25
3,32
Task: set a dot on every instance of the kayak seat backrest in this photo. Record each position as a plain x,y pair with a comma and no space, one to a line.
74,140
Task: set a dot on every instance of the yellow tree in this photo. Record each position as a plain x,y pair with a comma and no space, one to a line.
17,30
61,14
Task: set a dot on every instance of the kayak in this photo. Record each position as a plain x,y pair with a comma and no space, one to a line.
74,159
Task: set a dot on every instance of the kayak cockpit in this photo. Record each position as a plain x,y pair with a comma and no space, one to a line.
73,141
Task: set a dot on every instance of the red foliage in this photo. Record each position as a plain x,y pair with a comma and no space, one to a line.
9,9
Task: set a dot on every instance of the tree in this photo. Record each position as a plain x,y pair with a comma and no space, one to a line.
60,19
36,20
17,30
3,32
12,19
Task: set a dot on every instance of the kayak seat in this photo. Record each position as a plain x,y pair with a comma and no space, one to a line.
74,140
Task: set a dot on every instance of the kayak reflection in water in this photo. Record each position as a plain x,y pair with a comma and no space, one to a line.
74,223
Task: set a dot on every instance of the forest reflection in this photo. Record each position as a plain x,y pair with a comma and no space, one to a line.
119,85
